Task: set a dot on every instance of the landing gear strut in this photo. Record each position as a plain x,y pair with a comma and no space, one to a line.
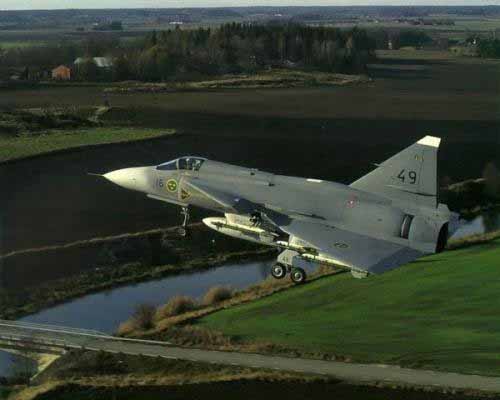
256,219
183,229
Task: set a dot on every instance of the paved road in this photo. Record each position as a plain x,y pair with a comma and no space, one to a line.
91,340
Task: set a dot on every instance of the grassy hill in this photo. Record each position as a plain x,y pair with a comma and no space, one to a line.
440,312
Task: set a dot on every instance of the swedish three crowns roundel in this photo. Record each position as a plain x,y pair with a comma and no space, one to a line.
172,185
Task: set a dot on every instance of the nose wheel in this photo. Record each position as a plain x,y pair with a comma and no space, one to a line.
183,229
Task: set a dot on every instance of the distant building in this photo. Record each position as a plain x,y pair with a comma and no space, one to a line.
61,73
100,62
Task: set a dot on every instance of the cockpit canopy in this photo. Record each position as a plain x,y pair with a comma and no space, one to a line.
183,163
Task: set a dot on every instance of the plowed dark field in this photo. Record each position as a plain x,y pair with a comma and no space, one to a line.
329,133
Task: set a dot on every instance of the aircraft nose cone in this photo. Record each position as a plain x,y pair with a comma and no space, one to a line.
130,178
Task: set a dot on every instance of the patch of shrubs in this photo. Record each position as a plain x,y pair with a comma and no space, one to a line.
177,305
143,316
216,295
146,316
28,122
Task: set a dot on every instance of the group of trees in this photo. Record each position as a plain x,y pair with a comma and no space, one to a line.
234,48
400,38
112,26
489,48
231,48
50,56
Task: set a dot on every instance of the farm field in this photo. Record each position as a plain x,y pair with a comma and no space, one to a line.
441,304
407,85
245,389
25,146
19,38
456,100
64,233
462,25
334,133
20,44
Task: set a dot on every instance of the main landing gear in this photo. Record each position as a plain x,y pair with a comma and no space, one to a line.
183,229
297,275
278,271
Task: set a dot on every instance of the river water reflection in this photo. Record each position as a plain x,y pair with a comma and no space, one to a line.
104,311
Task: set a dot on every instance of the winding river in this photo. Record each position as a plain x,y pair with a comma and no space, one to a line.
104,311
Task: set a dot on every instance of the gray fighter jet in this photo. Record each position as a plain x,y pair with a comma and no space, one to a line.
383,220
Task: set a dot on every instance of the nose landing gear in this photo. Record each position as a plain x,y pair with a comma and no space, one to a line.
183,229
256,219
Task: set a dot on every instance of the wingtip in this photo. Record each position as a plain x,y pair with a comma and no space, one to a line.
94,174
431,141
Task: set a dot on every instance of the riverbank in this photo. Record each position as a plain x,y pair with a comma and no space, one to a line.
182,311
126,376
52,141
435,313
126,259
274,79
254,319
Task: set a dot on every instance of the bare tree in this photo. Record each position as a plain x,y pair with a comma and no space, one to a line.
491,176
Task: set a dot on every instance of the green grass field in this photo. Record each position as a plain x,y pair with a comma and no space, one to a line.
24,146
17,44
440,313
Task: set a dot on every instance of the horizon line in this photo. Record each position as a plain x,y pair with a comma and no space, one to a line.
256,6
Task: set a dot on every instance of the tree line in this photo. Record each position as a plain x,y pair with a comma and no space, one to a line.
236,48
231,48
489,48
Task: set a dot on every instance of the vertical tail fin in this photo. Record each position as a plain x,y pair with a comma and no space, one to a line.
409,177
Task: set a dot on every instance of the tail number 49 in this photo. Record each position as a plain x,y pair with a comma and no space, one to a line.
408,176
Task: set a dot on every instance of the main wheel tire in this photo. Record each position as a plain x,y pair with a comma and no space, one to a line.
278,271
298,275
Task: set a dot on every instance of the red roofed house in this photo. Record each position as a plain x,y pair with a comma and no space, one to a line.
61,73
